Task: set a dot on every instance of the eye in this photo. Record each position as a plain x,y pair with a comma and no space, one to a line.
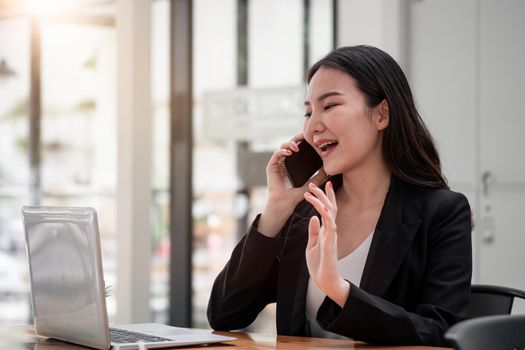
329,106
307,114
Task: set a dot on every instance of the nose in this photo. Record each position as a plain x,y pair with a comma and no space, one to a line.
313,124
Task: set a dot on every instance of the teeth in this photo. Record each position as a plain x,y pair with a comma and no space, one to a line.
323,146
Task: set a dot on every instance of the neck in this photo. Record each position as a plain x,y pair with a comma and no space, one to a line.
364,188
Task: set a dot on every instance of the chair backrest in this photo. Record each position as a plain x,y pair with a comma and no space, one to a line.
489,333
489,300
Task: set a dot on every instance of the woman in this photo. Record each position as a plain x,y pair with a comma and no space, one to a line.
381,252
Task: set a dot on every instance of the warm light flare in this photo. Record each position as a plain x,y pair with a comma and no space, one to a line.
44,8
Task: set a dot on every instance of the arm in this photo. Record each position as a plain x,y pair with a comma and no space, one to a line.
247,283
443,297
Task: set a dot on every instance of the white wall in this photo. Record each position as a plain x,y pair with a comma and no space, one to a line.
442,69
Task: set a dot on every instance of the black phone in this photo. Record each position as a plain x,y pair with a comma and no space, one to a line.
300,166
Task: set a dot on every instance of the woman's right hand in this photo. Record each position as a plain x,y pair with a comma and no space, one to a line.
282,196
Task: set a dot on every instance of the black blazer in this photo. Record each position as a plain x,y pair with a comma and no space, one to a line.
415,284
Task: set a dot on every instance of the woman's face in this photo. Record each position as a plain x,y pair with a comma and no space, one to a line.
338,123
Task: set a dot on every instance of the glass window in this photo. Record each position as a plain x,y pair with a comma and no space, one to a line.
77,147
160,94
321,29
78,126
214,178
14,168
275,43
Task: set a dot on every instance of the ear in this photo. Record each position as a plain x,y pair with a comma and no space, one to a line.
383,115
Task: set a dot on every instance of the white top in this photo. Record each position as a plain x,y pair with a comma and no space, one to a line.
351,268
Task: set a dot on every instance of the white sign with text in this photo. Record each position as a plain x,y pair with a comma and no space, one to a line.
245,114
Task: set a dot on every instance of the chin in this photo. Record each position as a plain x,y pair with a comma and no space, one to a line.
331,171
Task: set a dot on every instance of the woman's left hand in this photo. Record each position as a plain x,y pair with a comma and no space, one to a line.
321,251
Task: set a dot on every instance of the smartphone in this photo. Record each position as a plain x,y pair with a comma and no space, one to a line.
300,166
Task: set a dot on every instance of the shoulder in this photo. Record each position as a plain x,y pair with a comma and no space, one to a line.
436,196
434,204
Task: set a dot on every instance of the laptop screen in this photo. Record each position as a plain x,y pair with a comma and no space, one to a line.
67,284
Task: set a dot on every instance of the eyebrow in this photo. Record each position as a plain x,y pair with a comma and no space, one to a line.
325,95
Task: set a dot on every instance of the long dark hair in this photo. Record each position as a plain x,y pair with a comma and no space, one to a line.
408,147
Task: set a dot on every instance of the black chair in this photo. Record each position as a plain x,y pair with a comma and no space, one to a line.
488,300
489,333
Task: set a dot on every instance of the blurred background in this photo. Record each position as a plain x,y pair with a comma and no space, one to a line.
162,115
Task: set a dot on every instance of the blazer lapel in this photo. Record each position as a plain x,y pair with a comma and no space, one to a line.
390,244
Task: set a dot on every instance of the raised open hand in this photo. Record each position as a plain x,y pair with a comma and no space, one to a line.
321,251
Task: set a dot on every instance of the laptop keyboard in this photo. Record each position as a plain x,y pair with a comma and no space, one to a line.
120,336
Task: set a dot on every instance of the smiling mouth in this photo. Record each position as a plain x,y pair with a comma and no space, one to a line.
327,145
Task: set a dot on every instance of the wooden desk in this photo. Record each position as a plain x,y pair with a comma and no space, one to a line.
24,338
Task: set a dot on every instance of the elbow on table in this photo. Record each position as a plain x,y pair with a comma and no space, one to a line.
225,320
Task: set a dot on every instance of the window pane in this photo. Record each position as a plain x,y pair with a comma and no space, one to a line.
276,49
321,29
78,122
14,108
160,84
214,178
78,142
14,169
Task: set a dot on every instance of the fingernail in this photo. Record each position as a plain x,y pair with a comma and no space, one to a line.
326,210
295,147
329,184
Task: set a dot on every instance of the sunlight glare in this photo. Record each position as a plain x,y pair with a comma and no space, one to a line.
45,8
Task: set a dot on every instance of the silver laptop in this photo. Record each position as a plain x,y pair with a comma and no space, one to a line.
67,286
